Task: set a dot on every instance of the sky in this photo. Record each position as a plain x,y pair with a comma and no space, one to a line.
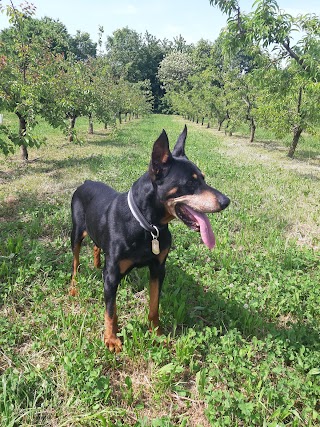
193,19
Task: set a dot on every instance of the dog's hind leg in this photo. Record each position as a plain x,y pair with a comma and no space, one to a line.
76,246
78,233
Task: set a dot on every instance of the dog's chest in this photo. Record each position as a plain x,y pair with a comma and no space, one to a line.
147,248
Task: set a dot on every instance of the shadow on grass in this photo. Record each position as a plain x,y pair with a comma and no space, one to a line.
205,307
28,228
93,164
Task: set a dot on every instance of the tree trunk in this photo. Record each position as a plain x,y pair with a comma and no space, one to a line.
253,130
208,125
24,155
71,127
119,116
90,130
297,130
296,136
22,132
220,123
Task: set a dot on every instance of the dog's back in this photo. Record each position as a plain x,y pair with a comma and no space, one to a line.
91,198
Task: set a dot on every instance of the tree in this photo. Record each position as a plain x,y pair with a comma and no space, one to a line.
153,53
46,31
268,26
70,94
123,52
23,65
236,71
82,46
175,69
289,103
36,56
136,58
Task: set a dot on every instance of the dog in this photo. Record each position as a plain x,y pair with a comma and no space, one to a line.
132,228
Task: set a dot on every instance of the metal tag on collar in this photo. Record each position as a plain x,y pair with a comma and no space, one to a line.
155,247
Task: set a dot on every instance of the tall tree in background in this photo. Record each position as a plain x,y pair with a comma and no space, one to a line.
82,46
136,58
124,53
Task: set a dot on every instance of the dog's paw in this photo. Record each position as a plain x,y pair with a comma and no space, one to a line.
154,325
156,329
113,343
73,291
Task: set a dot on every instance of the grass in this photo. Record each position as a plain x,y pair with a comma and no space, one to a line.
241,321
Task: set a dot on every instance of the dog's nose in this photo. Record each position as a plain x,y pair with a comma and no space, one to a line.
224,201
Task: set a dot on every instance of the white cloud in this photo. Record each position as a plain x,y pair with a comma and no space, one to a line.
128,9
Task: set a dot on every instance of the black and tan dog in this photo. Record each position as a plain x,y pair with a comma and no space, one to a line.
132,228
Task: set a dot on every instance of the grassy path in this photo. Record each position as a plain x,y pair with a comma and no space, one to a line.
241,321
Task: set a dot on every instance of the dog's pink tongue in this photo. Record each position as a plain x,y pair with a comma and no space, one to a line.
206,232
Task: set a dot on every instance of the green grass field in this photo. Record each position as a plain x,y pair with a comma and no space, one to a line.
241,321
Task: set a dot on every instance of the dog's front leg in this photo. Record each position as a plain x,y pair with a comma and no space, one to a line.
154,305
111,277
157,273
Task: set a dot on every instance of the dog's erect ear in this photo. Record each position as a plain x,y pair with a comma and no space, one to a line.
161,158
178,150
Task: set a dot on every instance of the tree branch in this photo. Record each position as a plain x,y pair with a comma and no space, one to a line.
293,55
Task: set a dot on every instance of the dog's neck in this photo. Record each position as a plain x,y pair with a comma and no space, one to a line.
145,197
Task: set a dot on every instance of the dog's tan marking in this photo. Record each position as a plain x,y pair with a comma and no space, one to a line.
195,176
206,202
163,255
110,332
73,291
172,191
167,218
124,265
154,306
96,256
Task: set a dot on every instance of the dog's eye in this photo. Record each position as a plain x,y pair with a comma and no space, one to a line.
192,182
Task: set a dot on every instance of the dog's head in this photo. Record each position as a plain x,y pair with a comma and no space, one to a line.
181,187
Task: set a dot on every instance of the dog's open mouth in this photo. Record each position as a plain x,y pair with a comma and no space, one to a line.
197,221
